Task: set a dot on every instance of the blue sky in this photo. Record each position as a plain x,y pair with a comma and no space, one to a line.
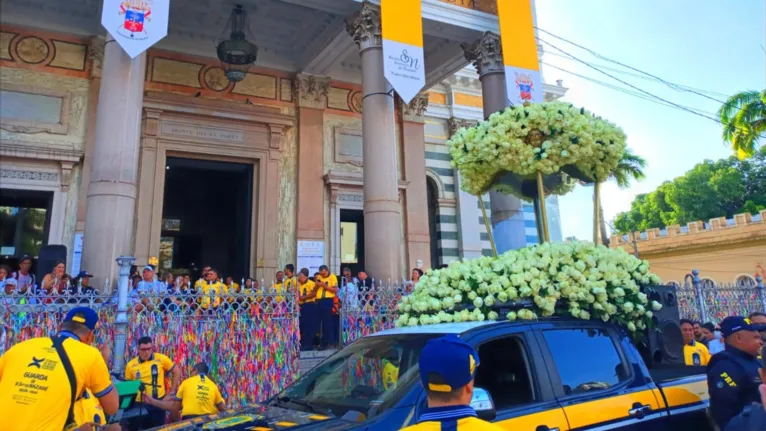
712,45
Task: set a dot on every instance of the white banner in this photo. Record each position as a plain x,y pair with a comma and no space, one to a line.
523,85
136,24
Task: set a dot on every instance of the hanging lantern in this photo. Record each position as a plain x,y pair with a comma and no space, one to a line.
236,53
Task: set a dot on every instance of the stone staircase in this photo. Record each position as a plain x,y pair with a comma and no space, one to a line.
312,358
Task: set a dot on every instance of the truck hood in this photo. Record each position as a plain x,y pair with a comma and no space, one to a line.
262,418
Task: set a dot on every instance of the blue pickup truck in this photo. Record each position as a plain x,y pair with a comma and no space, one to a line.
547,375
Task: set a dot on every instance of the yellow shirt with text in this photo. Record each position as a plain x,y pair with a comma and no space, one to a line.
696,354
87,410
279,288
467,424
32,376
199,396
305,289
211,292
151,373
331,280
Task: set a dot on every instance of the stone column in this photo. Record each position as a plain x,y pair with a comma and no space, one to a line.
382,229
311,97
507,211
111,202
417,237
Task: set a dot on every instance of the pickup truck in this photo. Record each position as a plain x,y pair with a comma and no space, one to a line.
547,375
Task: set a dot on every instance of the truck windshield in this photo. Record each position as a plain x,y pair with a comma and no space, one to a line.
367,377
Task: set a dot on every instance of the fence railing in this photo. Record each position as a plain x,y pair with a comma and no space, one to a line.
703,300
370,308
250,340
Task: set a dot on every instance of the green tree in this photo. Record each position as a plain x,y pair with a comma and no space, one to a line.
710,189
744,121
630,168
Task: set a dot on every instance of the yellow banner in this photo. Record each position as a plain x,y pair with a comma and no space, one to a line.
517,37
402,21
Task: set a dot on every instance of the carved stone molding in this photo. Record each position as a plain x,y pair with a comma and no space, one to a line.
454,124
66,175
415,110
486,54
311,91
28,175
276,132
364,27
96,56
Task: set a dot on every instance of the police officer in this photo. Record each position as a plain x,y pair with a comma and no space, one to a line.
38,377
447,369
197,396
732,375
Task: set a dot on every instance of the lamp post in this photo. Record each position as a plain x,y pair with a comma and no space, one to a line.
121,320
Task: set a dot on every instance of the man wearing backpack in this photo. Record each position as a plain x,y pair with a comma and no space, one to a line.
41,378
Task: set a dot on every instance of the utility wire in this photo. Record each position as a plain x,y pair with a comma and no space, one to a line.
623,90
605,58
684,108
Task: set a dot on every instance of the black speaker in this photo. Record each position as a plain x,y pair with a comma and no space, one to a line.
46,260
664,343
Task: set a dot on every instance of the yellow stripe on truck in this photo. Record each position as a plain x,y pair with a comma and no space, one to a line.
686,393
553,418
608,409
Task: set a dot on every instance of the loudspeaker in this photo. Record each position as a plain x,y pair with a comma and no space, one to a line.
46,260
664,343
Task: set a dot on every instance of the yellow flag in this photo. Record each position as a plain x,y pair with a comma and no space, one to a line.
517,37
402,30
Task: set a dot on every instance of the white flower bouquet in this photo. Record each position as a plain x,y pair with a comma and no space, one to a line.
548,137
576,279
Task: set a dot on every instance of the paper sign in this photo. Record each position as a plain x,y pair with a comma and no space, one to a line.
310,255
517,37
136,24
76,254
403,62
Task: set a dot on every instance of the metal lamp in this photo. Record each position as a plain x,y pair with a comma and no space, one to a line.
236,53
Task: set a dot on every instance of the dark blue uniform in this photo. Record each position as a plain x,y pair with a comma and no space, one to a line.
732,380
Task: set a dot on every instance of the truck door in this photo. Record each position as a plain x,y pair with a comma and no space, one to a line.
512,370
594,380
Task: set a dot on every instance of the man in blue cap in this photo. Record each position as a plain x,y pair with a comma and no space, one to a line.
41,378
447,369
732,375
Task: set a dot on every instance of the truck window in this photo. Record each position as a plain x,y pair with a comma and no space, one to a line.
505,373
586,359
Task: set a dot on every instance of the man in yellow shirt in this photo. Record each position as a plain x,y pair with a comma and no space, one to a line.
447,370
327,284
197,396
41,378
695,353
309,314
211,290
290,283
150,368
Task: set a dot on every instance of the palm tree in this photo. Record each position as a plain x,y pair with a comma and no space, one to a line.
744,121
631,167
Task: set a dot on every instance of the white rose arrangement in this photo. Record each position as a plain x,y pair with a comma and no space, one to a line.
547,137
571,279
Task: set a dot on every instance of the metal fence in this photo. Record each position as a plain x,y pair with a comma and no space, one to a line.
250,339
369,307
703,300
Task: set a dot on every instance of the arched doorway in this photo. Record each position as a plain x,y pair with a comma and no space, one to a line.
433,209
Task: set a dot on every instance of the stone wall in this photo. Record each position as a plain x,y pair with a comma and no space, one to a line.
722,250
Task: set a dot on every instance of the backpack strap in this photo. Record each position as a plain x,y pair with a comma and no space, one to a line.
58,344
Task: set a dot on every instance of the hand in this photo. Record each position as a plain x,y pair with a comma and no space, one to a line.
106,352
147,399
762,389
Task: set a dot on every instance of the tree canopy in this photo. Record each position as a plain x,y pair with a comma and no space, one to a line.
744,121
710,189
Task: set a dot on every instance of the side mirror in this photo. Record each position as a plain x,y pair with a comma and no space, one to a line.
483,404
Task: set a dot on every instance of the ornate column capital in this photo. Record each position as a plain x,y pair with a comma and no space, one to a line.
486,54
415,110
311,91
364,27
454,124
96,55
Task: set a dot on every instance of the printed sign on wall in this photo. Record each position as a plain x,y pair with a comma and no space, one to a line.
136,25
517,36
403,63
